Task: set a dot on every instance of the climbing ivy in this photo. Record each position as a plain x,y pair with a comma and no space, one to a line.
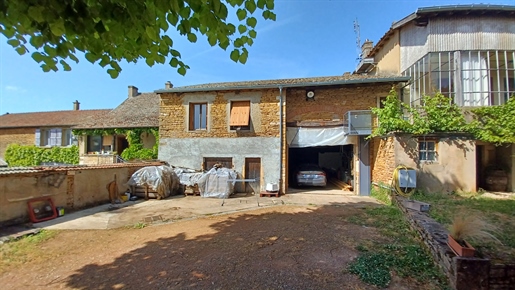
31,155
133,136
495,124
437,114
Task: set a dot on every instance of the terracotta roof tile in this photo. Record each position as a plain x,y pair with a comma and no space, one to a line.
21,170
135,112
313,81
47,119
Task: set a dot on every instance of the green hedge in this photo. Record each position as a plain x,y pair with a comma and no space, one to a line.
23,155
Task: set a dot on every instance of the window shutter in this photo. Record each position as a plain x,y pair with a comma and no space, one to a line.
192,117
37,140
240,113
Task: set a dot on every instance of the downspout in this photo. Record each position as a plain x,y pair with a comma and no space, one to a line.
280,138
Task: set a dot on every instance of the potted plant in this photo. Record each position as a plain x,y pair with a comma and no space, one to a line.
468,227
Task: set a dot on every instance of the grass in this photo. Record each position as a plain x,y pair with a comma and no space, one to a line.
17,252
400,253
500,213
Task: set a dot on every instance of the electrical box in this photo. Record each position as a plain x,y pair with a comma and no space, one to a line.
407,178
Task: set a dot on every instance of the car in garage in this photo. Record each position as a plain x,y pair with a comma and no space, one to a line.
310,175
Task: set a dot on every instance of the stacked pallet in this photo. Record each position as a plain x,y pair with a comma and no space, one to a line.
145,191
340,184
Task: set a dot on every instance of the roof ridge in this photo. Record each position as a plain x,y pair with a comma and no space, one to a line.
57,111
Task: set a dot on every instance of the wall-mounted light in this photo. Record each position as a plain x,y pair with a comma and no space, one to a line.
310,96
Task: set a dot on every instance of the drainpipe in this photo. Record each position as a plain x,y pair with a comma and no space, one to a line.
281,137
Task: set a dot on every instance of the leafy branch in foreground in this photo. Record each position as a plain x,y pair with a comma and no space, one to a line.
111,31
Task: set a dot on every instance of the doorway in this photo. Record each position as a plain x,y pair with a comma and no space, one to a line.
253,171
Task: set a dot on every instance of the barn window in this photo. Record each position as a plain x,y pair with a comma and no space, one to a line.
427,150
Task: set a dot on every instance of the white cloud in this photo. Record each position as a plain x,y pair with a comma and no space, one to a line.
15,89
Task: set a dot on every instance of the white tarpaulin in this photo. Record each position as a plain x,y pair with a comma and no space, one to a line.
298,137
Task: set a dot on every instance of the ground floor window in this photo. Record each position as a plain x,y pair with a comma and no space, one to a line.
210,162
94,143
427,150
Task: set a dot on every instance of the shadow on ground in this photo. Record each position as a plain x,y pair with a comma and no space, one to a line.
285,247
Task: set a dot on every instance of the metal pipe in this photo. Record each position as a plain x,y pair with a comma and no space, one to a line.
280,138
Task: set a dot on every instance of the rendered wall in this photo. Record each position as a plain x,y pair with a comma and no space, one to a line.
71,189
387,59
454,170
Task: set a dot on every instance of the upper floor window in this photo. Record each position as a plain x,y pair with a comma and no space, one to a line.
198,116
427,150
240,115
469,78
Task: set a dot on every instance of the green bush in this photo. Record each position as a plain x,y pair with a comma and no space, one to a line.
30,155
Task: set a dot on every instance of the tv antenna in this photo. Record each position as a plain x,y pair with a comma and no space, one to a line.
358,40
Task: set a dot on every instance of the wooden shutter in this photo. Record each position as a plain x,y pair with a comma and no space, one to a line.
240,113
37,140
192,117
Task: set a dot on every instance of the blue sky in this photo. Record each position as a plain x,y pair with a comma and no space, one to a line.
310,38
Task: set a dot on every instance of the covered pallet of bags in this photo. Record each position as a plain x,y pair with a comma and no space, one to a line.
154,182
217,182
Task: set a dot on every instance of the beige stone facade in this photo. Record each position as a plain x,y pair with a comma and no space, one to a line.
22,136
264,114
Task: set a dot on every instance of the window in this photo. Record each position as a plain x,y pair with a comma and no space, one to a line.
210,162
198,117
240,115
380,102
427,150
52,137
68,137
94,143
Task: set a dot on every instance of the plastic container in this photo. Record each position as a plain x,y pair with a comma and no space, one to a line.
60,210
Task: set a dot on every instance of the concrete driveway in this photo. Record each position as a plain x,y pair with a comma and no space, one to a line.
188,207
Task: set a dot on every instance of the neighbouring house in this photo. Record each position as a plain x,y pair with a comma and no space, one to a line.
103,140
265,129
43,129
465,52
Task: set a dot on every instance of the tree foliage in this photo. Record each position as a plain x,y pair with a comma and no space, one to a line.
111,31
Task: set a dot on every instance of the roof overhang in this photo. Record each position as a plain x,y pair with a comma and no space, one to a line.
422,15
279,84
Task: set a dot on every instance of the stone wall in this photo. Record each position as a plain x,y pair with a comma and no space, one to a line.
463,273
22,136
382,160
174,114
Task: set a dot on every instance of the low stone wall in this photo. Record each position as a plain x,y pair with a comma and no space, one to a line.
463,273
72,188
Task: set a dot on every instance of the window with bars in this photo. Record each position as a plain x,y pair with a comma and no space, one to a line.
198,116
469,78
427,150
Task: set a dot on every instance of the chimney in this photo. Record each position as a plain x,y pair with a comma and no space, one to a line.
366,48
133,91
76,105
168,85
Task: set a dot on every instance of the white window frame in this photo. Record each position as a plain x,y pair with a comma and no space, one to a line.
427,151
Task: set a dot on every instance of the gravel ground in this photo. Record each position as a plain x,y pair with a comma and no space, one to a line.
280,247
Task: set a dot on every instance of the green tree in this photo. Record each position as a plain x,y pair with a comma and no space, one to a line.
111,31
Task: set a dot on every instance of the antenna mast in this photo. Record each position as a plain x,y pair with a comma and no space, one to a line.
358,40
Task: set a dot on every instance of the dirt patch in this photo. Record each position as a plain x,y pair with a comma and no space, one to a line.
283,247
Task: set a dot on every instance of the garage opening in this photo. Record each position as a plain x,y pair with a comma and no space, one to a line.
335,161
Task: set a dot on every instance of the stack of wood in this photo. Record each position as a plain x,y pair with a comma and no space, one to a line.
340,184
191,190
